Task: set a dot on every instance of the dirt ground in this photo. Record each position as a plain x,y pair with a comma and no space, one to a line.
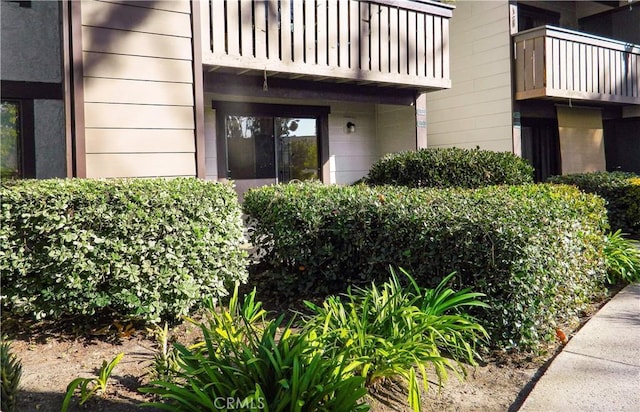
52,359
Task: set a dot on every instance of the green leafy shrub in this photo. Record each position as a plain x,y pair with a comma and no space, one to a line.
536,251
249,363
450,167
10,374
140,248
621,190
387,331
622,257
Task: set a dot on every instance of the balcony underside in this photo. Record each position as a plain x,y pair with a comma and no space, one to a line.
563,64
384,42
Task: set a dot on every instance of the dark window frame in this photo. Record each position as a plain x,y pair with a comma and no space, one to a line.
226,108
27,155
551,18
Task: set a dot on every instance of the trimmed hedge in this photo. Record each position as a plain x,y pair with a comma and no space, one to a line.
621,190
450,167
138,248
535,250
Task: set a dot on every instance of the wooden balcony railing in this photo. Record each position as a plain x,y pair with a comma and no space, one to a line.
405,43
555,62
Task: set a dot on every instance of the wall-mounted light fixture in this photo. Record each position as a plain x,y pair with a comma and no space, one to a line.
351,127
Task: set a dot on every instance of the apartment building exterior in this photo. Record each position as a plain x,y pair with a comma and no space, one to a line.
556,82
254,91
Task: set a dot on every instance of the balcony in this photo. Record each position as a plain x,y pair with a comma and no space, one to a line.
382,42
551,62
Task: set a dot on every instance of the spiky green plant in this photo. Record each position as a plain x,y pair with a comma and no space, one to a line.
622,257
164,364
90,386
389,331
249,362
10,373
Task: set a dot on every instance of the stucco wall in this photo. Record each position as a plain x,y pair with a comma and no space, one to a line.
30,42
476,111
396,128
49,138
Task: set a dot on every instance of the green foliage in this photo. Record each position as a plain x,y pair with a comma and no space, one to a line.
91,386
450,167
621,190
251,363
388,331
536,251
165,363
10,374
139,248
622,257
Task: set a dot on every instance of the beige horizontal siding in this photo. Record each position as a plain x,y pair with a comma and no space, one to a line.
103,90
118,66
140,165
138,88
181,6
139,19
476,111
101,115
96,39
139,141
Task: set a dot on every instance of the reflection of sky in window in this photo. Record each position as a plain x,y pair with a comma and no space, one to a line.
306,127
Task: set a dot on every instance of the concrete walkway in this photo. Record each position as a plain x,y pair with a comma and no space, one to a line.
599,369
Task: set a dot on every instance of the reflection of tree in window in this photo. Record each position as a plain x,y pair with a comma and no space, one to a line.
10,140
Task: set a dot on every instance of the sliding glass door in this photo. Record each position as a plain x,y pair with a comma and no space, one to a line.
270,149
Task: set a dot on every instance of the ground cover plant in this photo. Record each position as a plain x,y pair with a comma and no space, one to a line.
146,248
622,257
389,331
450,167
248,362
536,251
621,190
88,387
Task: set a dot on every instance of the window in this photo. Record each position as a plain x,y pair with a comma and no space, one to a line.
270,143
16,139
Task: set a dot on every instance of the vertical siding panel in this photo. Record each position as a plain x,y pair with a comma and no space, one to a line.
589,74
562,68
421,48
233,28
520,67
548,62
343,11
310,31
298,31
332,34
217,28
601,70
529,56
577,70
583,68
554,64
412,44
285,31
365,29
354,34
273,32
539,63
393,40
374,11
322,30
437,41
246,31
403,41
429,41
260,11
445,48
